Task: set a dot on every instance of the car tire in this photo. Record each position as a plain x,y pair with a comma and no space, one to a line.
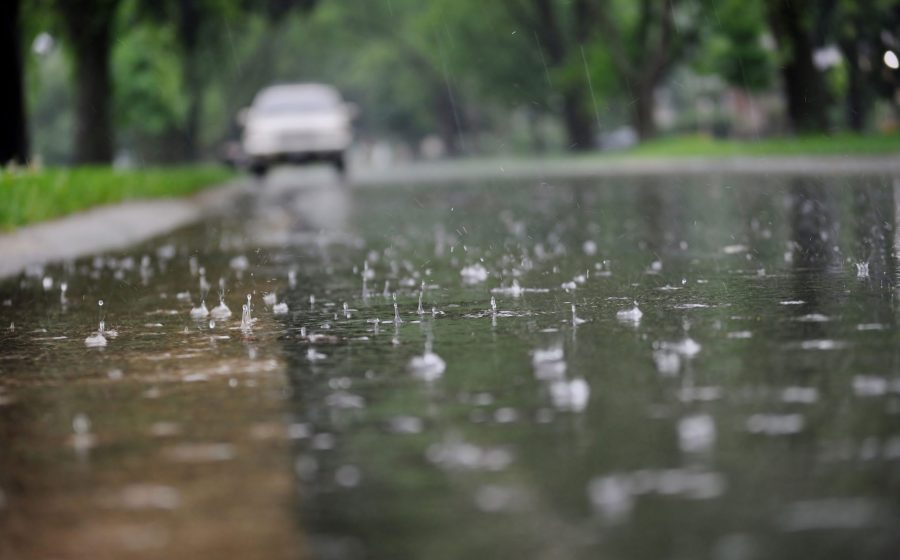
259,170
340,164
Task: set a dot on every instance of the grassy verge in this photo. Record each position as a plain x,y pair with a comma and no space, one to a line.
838,144
32,196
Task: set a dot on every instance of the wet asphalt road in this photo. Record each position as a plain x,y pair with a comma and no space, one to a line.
748,410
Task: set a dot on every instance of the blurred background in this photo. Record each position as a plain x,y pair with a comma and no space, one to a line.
141,82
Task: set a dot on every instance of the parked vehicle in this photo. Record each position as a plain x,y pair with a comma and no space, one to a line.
296,123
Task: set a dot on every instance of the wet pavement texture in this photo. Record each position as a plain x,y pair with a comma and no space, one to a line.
698,367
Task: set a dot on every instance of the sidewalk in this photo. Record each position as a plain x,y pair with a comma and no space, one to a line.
106,228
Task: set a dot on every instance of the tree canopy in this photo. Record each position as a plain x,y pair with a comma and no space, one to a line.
162,80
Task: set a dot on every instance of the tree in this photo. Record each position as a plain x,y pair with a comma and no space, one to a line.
397,55
858,28
198,32
804,87
733,45
13,137
645,45
561,32
88,26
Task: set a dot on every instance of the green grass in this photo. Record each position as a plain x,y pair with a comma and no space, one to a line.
32,196
838,144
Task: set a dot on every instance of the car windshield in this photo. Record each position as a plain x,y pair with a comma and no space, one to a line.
296,102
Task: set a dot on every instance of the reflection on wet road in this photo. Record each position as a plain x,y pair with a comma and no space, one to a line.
702,367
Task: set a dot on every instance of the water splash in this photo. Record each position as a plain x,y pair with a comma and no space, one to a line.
221,311
63,287
862,270
82,438
473,274
429,366
632,315
493,306
397,319
570,395
98,338
270,299
246,319
687,347
280,308
549,363
515,290
201,312
420,311
576,320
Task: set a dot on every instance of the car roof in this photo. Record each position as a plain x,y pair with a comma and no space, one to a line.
291,92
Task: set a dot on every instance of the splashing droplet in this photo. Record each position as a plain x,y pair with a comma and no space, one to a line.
246,320
576,320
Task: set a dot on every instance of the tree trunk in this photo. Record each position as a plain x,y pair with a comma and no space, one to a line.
89,27
188,34
13,136
579,126
449,119
857,103
643,113
857,100
804,87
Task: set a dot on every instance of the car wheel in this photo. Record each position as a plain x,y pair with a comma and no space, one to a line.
259,170
340,164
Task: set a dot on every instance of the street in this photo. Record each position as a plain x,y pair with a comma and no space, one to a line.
696,365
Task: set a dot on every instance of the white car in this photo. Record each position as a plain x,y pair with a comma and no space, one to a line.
296,123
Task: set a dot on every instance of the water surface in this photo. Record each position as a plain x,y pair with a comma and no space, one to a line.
750,412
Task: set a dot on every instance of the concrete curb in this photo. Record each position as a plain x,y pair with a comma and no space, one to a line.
107,228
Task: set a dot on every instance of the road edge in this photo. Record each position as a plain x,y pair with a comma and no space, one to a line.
107,228
613,167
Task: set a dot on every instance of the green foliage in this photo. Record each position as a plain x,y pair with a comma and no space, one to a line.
32,196
734,45
183,68
147,72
